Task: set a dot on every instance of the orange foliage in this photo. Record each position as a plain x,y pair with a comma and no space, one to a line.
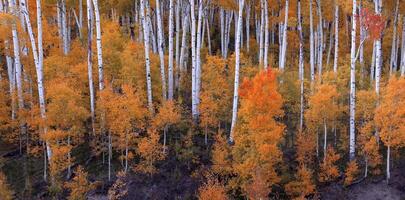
5,191
258,132
150,151
216,92
169,113
352,171
212,190
302,186
79,186
328,169
390,114
119,189
221,155
305,145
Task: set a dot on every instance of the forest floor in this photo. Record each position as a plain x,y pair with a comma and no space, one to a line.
177,180
370,189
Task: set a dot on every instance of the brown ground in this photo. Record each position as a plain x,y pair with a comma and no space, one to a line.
369,189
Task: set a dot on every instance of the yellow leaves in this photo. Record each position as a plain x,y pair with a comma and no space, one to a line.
150,151
65,107
365,103
390,114
352,171
302,186
226,4
216,92
328,169
5,191
169,113
221,155
305,145
258,132
212,189
322,105
123,112
79,185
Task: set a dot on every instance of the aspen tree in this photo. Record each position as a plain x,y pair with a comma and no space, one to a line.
352,143
99,46
237,66
171,53
301,65
266,34
336,56
379,57
146,29
394,48
160,49
311,45
284,43
90,63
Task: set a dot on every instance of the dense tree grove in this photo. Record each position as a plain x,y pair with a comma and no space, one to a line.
199,99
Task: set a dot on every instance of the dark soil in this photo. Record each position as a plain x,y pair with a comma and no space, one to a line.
369,189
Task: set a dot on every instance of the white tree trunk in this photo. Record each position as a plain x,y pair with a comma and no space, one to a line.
160,49
284,44
388,163
177,56
352,143
372,66
146,30
194,62
64,28
237,65
394,48
198,55
379,58
11,80
90,63
266,34
183,43
99,46
311,40
325,138
171,53
248,27
152,38
403,48
336,57
301,65
262,27
321,46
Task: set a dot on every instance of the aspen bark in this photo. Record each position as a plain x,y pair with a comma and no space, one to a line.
248,27
284,47
171,67
311,45
177,56
352,143
320,44
90,63
336,56
379,58
301,65
198,55
237,65
146,30
160,49
194,62
266,34
394,48
262,24
99,46
403,48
